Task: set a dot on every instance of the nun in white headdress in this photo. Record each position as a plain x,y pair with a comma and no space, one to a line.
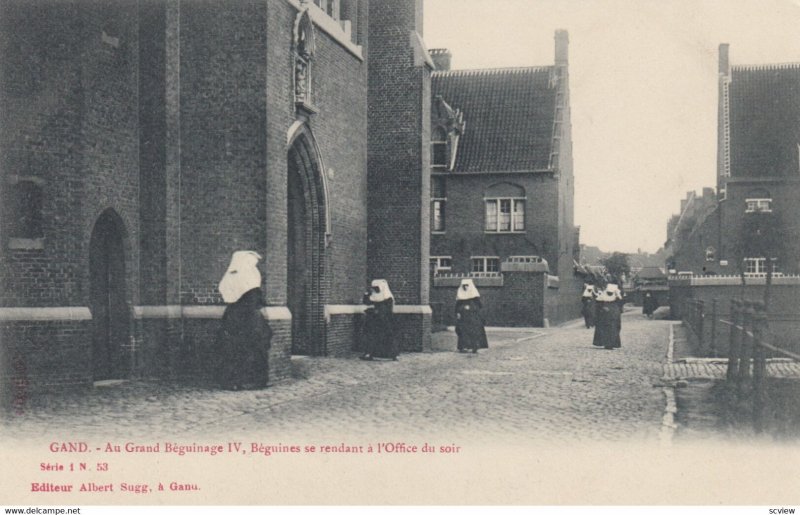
469,320
588,304
244,338
609,317
379,322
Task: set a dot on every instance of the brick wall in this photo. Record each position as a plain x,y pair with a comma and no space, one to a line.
398,160
518,303
783,311
41,100
42,356
465,210
223,122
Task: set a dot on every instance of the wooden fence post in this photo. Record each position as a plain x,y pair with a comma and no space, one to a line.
735,341
714,327
759,365
744,349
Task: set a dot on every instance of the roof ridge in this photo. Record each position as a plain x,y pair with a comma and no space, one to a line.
758,67
491,71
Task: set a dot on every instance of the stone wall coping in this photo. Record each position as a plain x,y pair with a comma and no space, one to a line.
211,312
45,314
357,309
729,280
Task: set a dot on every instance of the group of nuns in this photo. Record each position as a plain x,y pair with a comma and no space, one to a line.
244,336
378,335
601,307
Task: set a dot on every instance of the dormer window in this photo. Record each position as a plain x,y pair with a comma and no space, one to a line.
758,205
330,7
447,126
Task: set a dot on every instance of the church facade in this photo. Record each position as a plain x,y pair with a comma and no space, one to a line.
143,143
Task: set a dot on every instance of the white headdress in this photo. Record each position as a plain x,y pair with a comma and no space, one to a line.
383,292
467,290
588,290
241,276
611,293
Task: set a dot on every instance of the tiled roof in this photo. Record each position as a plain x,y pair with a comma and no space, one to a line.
508,114
765,120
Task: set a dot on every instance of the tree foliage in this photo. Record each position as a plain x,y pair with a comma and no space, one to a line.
617,264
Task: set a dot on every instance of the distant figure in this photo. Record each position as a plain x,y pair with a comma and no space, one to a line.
609,318
588,304
469,320
649,304
245,337
380,341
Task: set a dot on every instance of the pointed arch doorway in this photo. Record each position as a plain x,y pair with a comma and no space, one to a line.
306,241
108,304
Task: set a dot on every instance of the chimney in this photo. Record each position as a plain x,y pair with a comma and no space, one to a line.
441,58
724,61
562,47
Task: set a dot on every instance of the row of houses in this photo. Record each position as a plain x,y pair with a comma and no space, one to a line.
742,240
144,142
750,222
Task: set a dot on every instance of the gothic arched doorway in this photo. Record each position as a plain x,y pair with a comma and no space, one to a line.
306,247
110,314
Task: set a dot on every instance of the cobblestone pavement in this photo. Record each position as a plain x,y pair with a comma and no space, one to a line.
531,384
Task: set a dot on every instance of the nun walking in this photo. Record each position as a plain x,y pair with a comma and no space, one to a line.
469,321
649,304
588,304
379,323
245,337
609,318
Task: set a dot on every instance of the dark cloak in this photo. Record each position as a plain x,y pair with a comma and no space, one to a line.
649,304
244,341
587,310
470,325
379,330
607,325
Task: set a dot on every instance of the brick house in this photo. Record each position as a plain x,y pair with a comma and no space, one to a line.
754,218
502,190
144,142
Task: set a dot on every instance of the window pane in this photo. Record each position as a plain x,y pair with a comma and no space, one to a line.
492,264
519,215
439,154
491,215
438,187
438,221
446,263
477,265
504,223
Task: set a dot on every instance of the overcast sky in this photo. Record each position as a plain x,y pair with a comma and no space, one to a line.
643,86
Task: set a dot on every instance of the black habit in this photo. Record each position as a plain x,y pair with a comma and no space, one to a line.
244,341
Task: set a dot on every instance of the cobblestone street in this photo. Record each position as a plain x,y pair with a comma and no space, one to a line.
541,417
531,384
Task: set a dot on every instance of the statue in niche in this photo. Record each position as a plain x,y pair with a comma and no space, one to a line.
304,47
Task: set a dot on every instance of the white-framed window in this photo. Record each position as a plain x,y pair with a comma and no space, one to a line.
485,264
525,259
758,205
758,266
505,214
711,254
439,148
442,263
331,7
723,194
438,204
